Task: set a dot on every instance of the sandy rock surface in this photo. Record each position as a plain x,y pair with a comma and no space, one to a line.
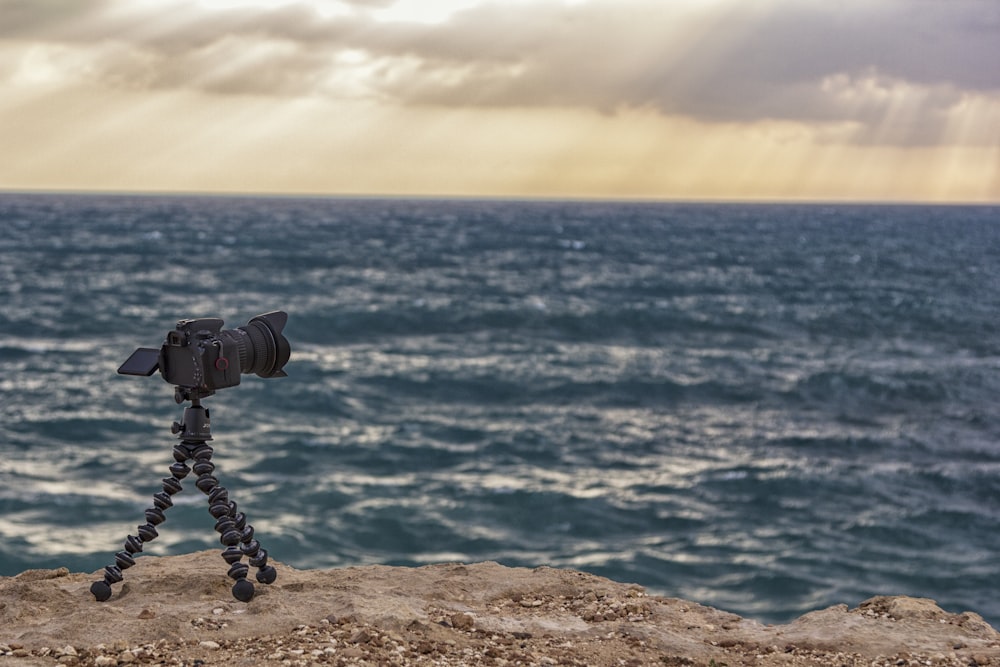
178,611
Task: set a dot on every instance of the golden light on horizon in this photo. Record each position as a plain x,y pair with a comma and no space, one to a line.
411,98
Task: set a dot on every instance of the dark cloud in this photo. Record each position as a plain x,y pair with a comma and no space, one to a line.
29,18
851,61
834,62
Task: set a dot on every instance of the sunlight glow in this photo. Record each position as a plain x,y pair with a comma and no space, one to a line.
362,97
416,11
423,11
324,8
265,4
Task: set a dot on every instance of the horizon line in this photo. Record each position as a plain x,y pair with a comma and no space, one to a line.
555,198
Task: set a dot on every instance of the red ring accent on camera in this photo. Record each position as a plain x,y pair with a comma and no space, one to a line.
221,364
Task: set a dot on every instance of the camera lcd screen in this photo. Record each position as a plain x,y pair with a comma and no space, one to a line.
143,361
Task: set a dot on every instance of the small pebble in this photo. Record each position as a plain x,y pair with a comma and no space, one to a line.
462,621
210,645
360,636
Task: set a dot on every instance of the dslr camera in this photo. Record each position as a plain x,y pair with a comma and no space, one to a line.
199,356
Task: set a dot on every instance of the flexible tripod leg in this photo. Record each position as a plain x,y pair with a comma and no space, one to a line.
154,516
231,524
236,534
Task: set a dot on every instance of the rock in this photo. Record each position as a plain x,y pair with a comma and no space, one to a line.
462,621
360,636
42,575
481,613
352,652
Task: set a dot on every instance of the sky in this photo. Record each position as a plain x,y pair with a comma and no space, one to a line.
846,100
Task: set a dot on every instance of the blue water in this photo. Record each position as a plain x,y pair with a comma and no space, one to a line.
768,409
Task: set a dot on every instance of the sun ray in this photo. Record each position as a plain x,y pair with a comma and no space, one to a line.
411,97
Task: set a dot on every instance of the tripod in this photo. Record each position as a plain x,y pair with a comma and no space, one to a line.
235,533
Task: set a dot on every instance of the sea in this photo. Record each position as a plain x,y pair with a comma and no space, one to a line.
765,408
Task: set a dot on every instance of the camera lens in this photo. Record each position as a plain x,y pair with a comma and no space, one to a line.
263,349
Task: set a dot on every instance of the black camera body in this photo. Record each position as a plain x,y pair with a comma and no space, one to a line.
199,356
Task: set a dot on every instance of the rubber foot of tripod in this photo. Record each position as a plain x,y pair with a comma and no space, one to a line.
267,574
101,590
243,590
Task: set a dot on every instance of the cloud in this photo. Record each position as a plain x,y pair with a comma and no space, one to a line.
804,61
28,18
859,63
